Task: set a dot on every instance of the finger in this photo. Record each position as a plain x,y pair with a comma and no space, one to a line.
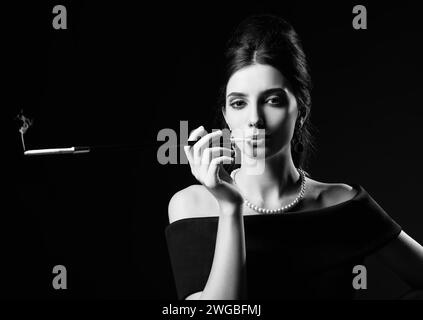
203,143
192,165
214,152
211,153
213,172
194,135
224,175
188,153
197,133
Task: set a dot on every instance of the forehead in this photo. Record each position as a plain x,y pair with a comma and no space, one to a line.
255,79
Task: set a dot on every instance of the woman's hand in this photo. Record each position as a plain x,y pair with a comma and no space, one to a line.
206,166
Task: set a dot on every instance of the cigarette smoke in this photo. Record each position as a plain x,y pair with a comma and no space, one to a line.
26,123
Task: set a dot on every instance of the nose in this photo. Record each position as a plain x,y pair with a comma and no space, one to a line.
255,117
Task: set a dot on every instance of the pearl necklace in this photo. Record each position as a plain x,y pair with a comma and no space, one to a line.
281,209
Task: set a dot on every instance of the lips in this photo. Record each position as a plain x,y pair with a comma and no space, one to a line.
257,141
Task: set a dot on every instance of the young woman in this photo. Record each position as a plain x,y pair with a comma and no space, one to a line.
268,230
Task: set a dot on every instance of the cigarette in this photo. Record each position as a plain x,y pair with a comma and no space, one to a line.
76,150
53,151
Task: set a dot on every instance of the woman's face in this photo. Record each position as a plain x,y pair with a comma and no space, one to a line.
258,97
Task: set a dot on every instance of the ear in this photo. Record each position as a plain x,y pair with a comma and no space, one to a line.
302,117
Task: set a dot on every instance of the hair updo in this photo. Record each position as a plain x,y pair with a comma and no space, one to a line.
270,40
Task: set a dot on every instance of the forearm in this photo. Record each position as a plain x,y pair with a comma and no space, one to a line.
227,279
404,256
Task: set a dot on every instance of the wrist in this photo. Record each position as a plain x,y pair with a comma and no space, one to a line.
230,209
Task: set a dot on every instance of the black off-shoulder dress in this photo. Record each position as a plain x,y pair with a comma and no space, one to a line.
306,254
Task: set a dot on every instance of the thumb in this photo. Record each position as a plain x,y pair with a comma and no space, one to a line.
223,174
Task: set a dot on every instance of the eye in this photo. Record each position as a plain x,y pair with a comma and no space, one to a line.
237,104
275,100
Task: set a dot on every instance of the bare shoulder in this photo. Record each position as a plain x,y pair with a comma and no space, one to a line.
331,194
193,201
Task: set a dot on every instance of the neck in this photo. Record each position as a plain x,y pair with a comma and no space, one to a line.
279,178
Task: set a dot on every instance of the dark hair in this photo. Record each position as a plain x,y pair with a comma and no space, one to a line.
268,39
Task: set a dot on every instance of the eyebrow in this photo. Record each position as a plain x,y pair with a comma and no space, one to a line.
265,92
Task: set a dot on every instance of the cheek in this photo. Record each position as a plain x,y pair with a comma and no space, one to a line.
283,120
279,119
282,125
235,119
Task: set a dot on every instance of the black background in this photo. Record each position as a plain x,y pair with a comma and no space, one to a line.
121,72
